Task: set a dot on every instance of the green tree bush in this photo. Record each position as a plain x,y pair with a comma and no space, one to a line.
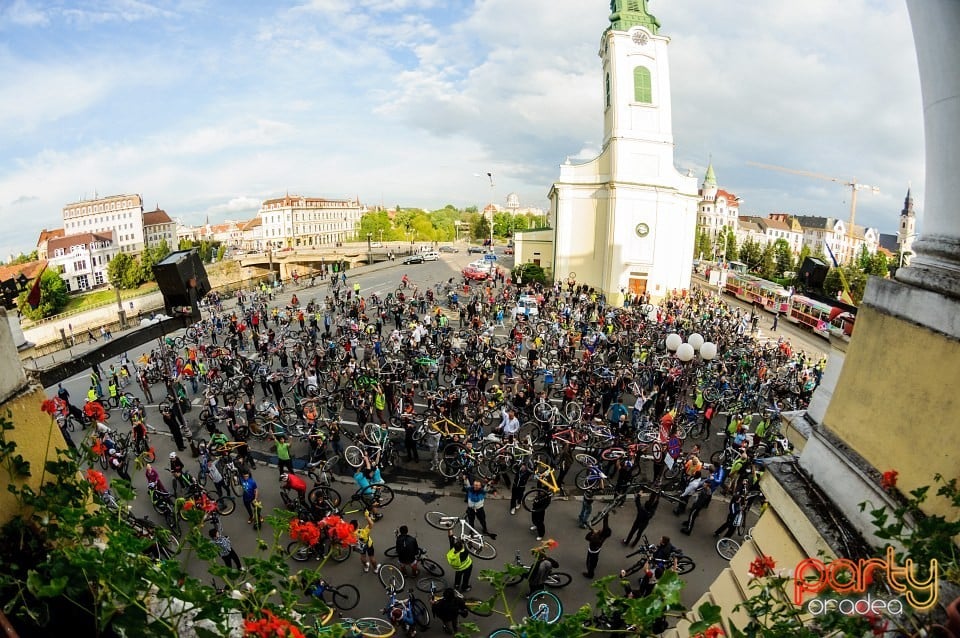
53,296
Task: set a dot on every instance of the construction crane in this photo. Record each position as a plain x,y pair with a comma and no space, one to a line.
852,184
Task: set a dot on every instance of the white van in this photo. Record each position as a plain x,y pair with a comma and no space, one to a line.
431,256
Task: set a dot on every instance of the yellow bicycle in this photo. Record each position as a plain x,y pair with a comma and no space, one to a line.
538,498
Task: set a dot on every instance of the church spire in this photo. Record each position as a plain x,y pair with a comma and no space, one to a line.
710,179
907,205
625,14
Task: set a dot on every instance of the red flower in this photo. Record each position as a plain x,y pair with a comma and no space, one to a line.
98,448
713,632
270,627
188,505
552,544
762,566
305,532
206,504
95,411
49,406
97,480
889,480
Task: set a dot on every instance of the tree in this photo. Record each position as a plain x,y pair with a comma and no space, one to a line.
24,258
121,272
856,280
481,228
53,296
730,248
804,253
703,247
751,252
528,273
783,256
768,262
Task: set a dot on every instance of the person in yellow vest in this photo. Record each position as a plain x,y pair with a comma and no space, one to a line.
365,543
461,562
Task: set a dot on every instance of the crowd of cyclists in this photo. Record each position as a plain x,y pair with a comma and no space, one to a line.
582,399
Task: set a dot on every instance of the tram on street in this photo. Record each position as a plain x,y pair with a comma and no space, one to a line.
755,290
819,316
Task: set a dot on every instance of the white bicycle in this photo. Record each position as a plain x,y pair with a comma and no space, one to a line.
472,539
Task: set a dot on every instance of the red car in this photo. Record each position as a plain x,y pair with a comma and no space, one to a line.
508,251
475,274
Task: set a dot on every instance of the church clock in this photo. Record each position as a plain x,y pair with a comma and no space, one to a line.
642,229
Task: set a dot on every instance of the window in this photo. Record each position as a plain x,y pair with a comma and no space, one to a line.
82,282
607,83
98,278
641,85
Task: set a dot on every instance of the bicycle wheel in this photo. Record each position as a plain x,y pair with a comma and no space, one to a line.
585,459
353,455
587,480
432,584
613,453
545,606
390,552
685,565
573,412
479,547
543,412
421,615
558,580
340,553
257,431
381,495
226,505
345,597
370,627
299,551
391,577
440,520
727,548
502,633
329,495
535,500
432,567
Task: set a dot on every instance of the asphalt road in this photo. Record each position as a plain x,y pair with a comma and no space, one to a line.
419,492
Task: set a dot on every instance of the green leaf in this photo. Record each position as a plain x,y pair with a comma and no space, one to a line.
43,589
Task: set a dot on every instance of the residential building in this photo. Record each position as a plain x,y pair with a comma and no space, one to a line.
120,214
750,229
158,227
45,236
718,209
295,221
82,259
784,226
626,220
251,235
819,232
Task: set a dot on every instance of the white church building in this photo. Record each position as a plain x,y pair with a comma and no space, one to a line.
626,220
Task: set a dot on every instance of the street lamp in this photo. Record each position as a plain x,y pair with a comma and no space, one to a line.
369,249
381,236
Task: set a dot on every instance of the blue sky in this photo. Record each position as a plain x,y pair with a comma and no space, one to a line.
206,108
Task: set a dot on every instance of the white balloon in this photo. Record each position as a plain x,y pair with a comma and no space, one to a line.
708,351
685,352
695,340
673,341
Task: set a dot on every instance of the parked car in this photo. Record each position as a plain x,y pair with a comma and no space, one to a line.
448,249
413,259
508,251
431,256
376,244
476,249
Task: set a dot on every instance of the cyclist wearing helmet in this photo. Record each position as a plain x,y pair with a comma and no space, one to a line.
295,483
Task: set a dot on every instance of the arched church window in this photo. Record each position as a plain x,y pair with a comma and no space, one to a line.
642,91
607,85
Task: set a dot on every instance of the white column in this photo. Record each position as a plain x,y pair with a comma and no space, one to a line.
936,265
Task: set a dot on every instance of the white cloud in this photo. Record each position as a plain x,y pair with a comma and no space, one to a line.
20,13
241,204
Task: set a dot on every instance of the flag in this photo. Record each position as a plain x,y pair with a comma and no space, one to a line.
832,258
846,298
34,297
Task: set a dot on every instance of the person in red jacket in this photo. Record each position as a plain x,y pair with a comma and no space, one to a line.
295,483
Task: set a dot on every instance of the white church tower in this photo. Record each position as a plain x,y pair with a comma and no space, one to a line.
907,231
625,221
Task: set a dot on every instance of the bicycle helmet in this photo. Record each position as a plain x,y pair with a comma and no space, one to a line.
284,477
173,455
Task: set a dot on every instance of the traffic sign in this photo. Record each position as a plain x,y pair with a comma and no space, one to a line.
489,257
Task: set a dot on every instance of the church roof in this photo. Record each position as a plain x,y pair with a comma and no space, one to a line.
625,14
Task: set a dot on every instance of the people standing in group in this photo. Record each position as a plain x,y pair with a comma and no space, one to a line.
408,551
251,497
539,512
645,511
225,547
365,543
701,501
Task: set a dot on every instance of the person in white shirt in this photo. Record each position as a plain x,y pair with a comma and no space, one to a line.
509,424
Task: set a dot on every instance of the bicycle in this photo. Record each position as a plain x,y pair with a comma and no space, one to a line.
353,628
430,566
410,613
680,563
343,597
537,498
473,540
728,547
